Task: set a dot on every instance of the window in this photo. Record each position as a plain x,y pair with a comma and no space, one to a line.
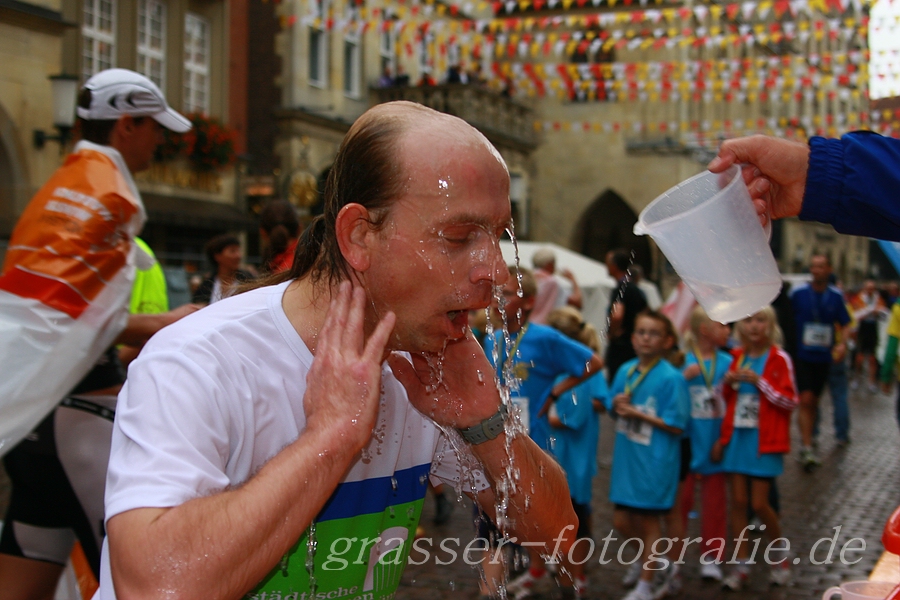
386,50
151,45
318,57
352,61
426,62
318,44
196,64
98,36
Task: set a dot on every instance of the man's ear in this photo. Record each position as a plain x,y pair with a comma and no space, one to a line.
354,236
122,131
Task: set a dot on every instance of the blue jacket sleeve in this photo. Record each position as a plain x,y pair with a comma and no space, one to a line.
852,184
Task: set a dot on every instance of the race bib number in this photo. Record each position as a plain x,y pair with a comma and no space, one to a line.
520,406
818,335
703,404
746,413
637,430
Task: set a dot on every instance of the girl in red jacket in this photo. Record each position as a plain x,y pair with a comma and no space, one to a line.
760,393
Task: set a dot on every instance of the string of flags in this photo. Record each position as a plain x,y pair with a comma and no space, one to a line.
566,48
710,132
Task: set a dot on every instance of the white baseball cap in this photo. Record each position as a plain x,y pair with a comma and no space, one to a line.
119,92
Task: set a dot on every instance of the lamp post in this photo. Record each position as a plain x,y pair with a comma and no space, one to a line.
65,90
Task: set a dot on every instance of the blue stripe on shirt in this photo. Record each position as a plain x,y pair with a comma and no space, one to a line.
374,495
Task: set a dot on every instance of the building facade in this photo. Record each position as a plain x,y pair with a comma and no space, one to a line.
338,58
184,46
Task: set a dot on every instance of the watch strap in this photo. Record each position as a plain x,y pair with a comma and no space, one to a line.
488,429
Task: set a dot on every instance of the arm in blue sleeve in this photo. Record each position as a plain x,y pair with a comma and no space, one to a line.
852,184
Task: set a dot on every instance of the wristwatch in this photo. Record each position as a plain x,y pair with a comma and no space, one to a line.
488,429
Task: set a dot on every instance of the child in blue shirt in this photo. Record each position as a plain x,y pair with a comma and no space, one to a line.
650,399
575,430
705,366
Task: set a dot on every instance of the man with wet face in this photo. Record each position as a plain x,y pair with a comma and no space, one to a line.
290,417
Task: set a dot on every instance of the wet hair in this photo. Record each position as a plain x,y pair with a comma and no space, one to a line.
621,258
674,355
774,332
526,280
278,219
366,171
219,243
570,322
98,131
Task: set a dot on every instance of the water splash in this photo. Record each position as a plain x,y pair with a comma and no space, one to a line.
311,544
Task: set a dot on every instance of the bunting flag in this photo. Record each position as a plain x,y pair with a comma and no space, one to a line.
709,133
566,49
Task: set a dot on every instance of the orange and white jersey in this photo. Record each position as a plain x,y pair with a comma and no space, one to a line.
65,283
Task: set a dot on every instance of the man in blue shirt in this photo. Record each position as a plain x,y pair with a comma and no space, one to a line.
530,360
534,357
818,309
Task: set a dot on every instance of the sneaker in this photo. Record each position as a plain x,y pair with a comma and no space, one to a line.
523,585
638,594
633,574
711,571
670,586
808,459
736,580
780,574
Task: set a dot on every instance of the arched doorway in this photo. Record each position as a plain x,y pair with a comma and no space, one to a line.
607,224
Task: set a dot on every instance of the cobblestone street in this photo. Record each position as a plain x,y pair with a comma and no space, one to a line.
855,490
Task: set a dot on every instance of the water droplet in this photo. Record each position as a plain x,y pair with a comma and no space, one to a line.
311,544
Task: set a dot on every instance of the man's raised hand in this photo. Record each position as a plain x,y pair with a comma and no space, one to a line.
456,388
343,386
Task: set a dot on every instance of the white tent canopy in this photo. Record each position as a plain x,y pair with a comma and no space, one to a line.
592,276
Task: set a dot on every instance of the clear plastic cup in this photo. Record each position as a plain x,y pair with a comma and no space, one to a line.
860,590
708,228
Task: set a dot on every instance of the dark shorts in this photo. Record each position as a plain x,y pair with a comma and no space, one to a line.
867,337
685,466
583,512
811,376
769,480
649,512
485,528
57,488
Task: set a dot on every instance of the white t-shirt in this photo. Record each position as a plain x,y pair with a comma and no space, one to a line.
213,397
